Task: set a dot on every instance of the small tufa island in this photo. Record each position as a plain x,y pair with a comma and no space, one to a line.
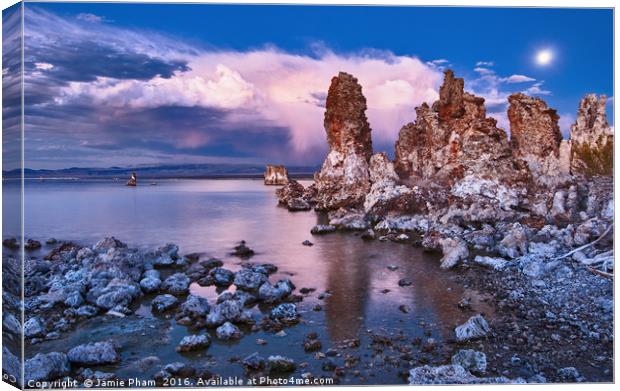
276,175
133,181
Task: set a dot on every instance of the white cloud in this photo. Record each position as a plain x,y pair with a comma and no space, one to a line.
44,66
484,71
537,89
278,88
485,64
518,79
91,18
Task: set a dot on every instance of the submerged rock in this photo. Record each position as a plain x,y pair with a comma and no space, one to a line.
322,229
476,327
281,364
94,353
242,250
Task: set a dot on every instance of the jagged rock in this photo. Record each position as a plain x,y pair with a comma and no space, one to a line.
226,311
454,251
48,366
193,310
276,175
228,331
32,244
348,220
222,277
592,140
94,353
150,284
475,327
11,243
344,178
292,196
118,293
164,303
106,244
570,374
385,194
471,360
33,327
11,324
286,311
535,137
242,250
193,342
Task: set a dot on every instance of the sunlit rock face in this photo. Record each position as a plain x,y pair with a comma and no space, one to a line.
276,175
537,140
591,139
344,179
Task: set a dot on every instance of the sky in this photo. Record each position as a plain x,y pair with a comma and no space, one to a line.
146,84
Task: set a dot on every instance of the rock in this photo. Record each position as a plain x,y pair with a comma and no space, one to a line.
322,229
249,280
176,284
226,311
74,299
369,234
344,178
535,136
222,277
51,241
228,331
93,353
348,220
194,342
133,180
312,344
386,195
242,251
11,324
254,362
150,285
276,175
87,311
193,310
307,243
570,375
47,367
293,197
275,293
492,262
404,282
476,327
106,244
298,205
281,364
180,369
515,243
471,360
11,243
118,293
449,374
454,251
11,367
32,244
164,303
592,140
286,311
34,328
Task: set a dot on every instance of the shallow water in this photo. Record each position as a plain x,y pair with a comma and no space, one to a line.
210,216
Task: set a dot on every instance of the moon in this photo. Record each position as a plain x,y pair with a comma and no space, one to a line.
544,57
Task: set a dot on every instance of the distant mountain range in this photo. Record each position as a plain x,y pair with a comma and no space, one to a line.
163,171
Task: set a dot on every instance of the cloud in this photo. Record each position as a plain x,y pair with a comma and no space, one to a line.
485,64
519,79
91,18
484,71
107,88
537,89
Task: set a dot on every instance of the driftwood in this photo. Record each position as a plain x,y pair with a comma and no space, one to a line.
587,245
600,272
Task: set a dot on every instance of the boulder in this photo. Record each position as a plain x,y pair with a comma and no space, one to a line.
46,367
34,327
454,251
514,243
286,311
164,303
276,175
222,277
496,263
322,229
228,331
475,327
195,308
275,293
281,364
193,342
471,360
226,311
451,374
176,284
150,284
94,353
254,362
249,280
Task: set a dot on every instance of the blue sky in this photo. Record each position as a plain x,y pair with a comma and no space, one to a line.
124,84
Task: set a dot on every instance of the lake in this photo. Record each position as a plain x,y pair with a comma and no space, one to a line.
211,216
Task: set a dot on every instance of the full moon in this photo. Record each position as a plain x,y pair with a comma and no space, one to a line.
544,57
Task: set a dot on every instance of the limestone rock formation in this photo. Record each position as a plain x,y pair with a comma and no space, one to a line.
133,181
536,138
591,139
276,175
344,178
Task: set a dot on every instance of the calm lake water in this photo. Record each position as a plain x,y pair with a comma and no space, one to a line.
210,216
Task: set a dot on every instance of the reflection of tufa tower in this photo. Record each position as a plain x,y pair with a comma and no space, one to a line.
133,181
